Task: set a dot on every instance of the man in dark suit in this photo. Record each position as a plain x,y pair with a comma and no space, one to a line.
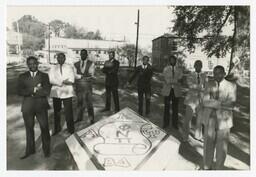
84,74
144,73
111,81
34,86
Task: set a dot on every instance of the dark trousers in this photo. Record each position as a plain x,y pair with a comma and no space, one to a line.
84,99
114,91
141,93
68,109
175,105
29,121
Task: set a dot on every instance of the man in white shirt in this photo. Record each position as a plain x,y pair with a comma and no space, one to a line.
84,70
196,82
218,103
171,91
62,77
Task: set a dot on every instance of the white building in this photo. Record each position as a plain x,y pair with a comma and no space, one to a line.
13,43
97,49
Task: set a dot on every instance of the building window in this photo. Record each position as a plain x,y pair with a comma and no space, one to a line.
77,52
174,46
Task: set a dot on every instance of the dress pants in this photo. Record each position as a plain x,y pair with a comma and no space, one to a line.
84,99
68,109
114,91
141,93
187,124
215,139
175,105
29,121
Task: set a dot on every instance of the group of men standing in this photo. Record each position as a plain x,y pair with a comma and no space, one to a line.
211,101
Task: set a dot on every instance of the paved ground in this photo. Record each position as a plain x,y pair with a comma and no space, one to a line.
189,156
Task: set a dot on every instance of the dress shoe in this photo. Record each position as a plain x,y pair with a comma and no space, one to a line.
26,155
46,155
165,126
78,120
175,127
105,110
55,133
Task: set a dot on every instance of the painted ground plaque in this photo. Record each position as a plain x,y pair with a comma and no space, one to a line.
123,141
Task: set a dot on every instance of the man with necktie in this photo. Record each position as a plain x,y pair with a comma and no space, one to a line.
34,87
110,69
196,82
218,103
62,77
84,70
144,73
171,91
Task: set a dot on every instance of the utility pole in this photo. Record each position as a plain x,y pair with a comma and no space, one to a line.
18,37
49,49
137,37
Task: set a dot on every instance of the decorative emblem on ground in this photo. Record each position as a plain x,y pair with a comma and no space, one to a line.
123,141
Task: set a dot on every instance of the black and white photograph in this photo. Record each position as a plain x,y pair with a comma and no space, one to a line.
163,87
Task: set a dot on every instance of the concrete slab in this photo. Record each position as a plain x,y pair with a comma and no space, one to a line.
123,141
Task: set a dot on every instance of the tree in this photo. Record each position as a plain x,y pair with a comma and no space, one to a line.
57,26
70,31
33,32
31,42
128,51
30,25
75,32
210,22
97,35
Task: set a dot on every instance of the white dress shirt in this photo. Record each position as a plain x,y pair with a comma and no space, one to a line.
60,90
195,90
224,104
33,74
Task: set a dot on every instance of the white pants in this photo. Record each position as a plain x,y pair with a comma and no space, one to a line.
215,139
187,124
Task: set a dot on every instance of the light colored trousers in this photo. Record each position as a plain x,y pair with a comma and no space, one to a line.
187,124
215,139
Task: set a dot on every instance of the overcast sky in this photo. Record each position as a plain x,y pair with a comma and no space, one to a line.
114,22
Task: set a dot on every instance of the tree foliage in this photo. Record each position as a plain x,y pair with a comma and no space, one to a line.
30,25
210,22
75,32
57,26
128,51
34,32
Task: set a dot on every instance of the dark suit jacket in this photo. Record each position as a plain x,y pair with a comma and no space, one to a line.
77,65
84,84
34,102
111,74
144,77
